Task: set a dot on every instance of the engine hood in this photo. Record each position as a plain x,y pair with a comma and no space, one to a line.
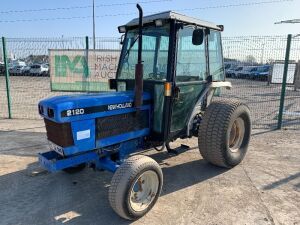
69,108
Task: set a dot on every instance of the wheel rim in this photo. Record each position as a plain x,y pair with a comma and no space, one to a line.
237,133
143,191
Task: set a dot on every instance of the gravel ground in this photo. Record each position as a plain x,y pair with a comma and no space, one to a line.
263,100
263,189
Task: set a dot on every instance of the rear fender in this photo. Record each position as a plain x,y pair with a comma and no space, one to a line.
209,92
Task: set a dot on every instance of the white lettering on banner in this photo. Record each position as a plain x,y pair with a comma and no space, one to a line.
81,70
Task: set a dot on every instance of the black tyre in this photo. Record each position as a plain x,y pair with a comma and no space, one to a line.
75,169
135,187
224,133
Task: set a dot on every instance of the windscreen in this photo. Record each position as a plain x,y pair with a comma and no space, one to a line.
154,54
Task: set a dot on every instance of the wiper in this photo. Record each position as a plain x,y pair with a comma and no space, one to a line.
130,47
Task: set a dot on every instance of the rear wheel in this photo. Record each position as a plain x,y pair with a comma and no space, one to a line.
135,187
224,133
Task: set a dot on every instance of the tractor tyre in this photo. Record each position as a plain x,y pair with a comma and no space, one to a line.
224,133
135,187
75,169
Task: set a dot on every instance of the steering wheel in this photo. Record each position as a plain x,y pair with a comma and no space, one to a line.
152,76
156,76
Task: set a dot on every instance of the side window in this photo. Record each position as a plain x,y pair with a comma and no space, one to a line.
162,58
216,66
191,62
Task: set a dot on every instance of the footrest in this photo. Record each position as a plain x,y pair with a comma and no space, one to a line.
53,162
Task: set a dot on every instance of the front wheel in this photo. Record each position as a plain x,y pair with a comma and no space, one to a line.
224,133
135,187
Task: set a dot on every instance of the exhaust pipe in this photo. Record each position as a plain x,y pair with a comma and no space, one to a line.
139,67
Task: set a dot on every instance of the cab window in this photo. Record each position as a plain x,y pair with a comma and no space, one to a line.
216,66
191,60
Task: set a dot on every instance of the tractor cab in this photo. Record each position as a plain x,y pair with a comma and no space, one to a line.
180,55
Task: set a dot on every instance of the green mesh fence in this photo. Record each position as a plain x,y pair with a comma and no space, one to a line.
249,63
29,83
3,100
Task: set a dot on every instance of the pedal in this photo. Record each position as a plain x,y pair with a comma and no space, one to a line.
172,151
184,147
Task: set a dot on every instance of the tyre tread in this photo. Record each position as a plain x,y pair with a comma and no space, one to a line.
125,174
212,129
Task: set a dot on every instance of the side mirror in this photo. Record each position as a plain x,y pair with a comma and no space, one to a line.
198,37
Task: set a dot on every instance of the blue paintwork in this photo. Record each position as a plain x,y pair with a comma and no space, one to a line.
121,138
107,164
53,162
129,147
81,123
85,144
86,148
66,102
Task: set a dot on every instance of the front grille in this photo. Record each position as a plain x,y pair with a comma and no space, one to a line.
120,124
59,133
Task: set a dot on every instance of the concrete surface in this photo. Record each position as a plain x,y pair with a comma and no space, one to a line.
264,189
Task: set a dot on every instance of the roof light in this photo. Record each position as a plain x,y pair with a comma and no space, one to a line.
122,29
158,23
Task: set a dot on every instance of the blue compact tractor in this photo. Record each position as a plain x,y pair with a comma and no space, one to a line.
169,69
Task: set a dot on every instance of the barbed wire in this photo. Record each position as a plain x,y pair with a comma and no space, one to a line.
129,14
82,7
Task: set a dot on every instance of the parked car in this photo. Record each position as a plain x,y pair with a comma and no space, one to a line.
261,73
230,68
39,70
16,70
246,71
235,72
2,69
26,70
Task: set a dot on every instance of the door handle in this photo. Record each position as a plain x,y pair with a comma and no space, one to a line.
176,93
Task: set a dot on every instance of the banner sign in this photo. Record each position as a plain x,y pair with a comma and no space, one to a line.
277,73
82,70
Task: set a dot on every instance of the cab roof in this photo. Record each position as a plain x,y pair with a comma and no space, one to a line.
175,16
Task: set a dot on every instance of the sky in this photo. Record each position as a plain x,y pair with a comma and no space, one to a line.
253,17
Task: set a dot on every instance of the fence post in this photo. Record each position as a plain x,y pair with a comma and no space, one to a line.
283,86
86,42
297,79
86,69
6,78
85,86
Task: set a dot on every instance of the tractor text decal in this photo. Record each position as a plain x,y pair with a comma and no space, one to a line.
120,106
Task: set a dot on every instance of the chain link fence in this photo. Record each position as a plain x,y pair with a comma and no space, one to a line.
248,60
249,65
29,85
